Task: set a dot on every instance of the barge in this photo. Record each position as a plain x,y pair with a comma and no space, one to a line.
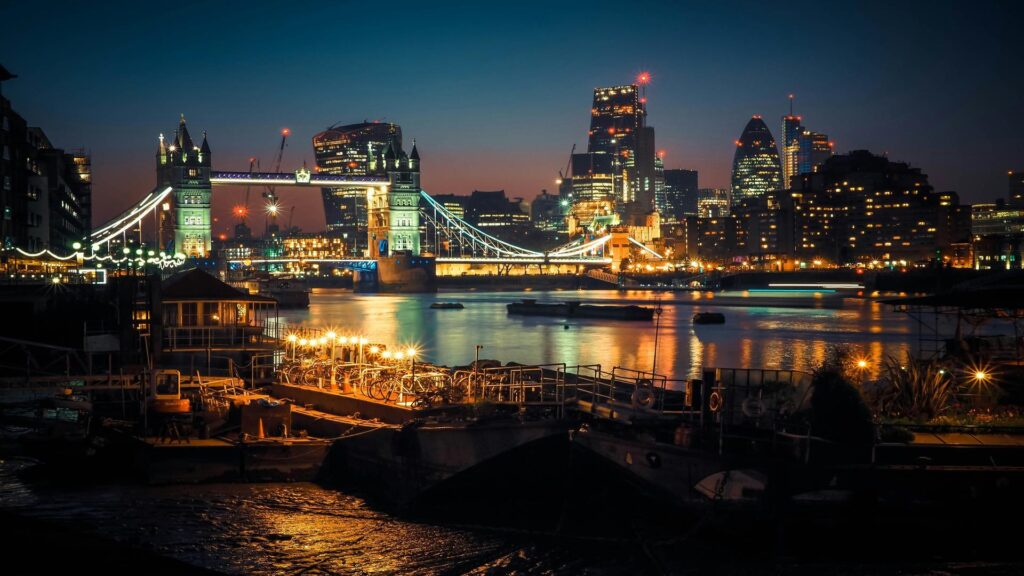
530,307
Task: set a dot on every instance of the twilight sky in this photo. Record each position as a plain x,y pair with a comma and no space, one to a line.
496,93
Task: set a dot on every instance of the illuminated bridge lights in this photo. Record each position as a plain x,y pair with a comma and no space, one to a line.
297,178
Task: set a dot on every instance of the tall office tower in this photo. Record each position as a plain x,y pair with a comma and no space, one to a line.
680,194
618,130
755,167
659,182
791,131
353,149
1016,192
812,150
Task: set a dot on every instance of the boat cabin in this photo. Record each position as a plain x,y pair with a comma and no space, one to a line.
199,312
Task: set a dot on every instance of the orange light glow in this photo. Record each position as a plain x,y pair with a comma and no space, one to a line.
285,132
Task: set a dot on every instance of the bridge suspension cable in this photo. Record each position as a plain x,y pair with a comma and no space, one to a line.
129,218
467,237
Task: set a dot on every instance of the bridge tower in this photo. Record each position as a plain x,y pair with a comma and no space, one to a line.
395,218
185,167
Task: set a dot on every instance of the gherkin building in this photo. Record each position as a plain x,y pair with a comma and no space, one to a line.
756,169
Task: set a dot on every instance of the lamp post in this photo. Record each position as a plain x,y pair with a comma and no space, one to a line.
862,366
293,339
411,353
333,338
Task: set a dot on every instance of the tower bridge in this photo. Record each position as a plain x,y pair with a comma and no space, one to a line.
396,208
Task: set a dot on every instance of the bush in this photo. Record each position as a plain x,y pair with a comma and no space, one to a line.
913,389
837,410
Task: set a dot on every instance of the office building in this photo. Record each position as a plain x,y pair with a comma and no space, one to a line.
620,164
813,149
755,168
713,202
352,149
861,207
680,194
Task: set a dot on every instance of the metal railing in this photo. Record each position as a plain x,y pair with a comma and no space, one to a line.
229,336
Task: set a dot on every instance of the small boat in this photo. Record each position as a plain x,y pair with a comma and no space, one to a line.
709,318
289,293
447,306
530,307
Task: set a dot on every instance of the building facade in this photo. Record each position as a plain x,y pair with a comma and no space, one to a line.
45,193
353,149
859,207
713,202
620,164
186,167
680,194
755,168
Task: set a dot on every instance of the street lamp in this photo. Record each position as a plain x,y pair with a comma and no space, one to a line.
292,339
411,353
332,337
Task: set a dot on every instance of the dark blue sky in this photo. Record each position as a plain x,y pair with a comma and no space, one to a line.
496,93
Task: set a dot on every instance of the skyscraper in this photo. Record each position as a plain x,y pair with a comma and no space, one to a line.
353,149
755,167
680,194
813,148
802,149
791,131
619,135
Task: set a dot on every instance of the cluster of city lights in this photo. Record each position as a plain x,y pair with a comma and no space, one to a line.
333,339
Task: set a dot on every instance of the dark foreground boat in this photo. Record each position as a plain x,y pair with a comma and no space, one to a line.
529,307
709,318
447,306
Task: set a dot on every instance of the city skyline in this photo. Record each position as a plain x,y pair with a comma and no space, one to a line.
475,132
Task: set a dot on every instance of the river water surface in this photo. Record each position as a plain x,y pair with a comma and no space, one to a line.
310,529
778,330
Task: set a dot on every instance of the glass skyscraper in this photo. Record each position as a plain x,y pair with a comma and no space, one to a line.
621,147
354,150
791,131
755,167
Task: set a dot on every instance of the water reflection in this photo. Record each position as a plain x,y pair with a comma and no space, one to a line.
771,331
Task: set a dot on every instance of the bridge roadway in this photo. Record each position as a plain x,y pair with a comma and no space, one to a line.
369,264
297,178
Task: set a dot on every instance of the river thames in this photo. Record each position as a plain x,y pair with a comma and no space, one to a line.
762,330
269,529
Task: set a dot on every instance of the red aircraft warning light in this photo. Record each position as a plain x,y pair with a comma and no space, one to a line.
643,78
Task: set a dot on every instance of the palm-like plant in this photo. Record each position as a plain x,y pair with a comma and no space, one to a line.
914,389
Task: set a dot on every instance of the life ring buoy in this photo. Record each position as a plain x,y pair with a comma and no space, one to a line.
643,397
715,401
752,407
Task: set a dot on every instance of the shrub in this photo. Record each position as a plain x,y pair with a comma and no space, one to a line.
913,389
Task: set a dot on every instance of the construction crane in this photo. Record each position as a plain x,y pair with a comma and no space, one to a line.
568,167
271,195
242,229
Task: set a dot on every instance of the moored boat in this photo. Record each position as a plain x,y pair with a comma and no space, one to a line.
709,318
447,306
530,307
